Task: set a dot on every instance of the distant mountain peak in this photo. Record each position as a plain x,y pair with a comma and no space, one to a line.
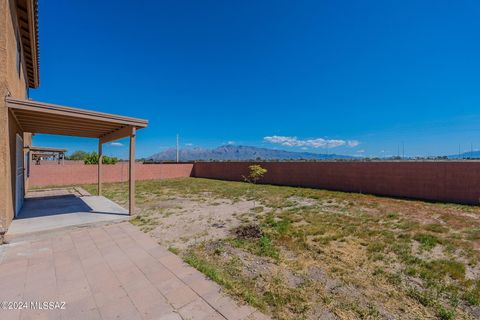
239,152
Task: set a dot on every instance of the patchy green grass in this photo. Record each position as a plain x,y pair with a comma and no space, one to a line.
427,241
473,233
319,253
445,314
224,277
174,250
145,223
436,227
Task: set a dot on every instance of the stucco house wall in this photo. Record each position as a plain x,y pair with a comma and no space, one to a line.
13,83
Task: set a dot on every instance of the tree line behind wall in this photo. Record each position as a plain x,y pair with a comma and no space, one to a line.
91,157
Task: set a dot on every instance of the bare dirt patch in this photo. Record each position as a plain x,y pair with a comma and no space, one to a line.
183,222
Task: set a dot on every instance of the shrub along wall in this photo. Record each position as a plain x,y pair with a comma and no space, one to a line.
447,181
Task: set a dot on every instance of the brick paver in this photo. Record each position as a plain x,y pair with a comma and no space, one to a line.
108,272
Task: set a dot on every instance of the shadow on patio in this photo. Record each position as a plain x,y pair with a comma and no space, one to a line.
46,210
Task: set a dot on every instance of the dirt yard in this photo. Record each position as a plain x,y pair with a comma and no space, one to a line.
311,254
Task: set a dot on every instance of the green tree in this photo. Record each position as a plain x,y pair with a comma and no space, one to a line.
109,160
92,158
77,155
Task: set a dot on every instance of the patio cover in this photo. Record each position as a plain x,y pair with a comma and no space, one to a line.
47,149
39,117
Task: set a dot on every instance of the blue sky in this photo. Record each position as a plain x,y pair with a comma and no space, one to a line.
364,76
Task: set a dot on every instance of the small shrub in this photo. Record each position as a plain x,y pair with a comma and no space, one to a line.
445,314
258,209
392,215
220,249
378,272
427,241
473,295
473,234
394,278
424,297
174,250
436,227
266,247
146,224
280,226
411,271
256,172
376,247
207,269
438,269
250,297
138,221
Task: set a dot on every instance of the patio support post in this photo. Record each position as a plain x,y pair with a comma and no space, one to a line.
100,159
131,173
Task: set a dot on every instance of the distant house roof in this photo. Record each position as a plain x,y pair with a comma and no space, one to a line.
47,149
27,13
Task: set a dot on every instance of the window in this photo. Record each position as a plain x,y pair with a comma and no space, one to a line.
27,162
19,56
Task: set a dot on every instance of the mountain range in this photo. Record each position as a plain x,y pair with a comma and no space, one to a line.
238,152
232,152
466,155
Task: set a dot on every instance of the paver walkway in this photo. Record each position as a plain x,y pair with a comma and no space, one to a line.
108,272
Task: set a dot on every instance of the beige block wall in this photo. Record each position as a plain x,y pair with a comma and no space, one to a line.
3,116
11,83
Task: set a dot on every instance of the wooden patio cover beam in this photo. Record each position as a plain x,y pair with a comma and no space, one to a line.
39,117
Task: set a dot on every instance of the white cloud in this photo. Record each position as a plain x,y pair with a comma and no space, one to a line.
116,144
189,144
361,151
314,143
231,142
352,143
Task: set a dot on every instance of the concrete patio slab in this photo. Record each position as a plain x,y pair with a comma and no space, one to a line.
111,271
47,210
